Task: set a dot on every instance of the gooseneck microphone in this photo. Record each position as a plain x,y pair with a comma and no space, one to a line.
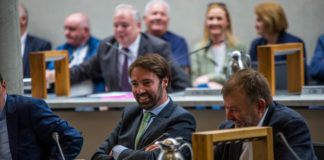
120,50
197,50
283,140
157,139
55,136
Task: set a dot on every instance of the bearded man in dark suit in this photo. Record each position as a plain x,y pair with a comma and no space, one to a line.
154,115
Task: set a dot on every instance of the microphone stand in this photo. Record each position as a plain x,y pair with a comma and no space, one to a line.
197,50
284,141
56,138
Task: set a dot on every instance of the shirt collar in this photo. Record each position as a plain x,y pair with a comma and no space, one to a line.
159,108
23,38
262,119
133,48
2,112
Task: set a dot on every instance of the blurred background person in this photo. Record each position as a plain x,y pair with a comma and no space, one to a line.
156,18
317,63
271,24
209,65
29,43
81,46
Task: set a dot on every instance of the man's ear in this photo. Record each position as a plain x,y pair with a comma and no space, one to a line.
261,106
165,82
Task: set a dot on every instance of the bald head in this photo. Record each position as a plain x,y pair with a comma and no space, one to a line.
77,29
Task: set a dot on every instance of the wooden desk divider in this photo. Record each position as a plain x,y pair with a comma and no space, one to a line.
261,138
295,64
38,72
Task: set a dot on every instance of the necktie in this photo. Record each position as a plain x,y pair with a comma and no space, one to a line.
145,120
125,86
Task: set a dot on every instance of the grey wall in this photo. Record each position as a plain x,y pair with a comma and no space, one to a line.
47,16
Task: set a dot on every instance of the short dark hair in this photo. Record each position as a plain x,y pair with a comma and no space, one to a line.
1,80
253,83
153,63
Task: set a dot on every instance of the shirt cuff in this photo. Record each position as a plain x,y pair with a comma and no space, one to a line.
116,150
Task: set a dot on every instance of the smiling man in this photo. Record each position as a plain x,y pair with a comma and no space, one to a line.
156,19
154,115
248,102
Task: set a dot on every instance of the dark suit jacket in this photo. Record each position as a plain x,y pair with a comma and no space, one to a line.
173,119
281,119
105,61
30,124
33,44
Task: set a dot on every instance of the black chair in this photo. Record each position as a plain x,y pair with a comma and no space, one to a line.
319,150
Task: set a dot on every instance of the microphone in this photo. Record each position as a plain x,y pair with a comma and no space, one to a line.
283,140
197,50
157,139
120,50
55,136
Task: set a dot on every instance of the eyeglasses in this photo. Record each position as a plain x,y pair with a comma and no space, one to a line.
217,3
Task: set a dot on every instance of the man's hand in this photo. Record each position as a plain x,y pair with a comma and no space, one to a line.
50,76
152,148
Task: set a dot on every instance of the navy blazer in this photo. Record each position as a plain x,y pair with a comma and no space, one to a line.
281,119
317,63
105,62
30,124
33,44
173,119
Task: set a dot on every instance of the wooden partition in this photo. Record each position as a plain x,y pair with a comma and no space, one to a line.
261,138
295,64
38,73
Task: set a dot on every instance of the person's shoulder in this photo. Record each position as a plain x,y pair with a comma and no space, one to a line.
152,39
226,124
284,113
321,38
175,36
257,41
23,102
291,38
37,39
93,39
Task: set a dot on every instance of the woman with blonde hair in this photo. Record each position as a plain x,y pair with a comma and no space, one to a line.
208,67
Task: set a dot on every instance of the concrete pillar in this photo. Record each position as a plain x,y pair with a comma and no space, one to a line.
10,54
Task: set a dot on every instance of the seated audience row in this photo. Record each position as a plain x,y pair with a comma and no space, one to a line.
247,100
207,67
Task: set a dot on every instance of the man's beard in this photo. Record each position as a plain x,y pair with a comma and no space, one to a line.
154,100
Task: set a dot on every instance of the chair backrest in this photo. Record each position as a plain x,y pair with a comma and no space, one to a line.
38,72
261,138
280,74
319,150
295,64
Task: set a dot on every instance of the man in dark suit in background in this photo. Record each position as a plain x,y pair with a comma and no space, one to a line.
117,52
154,115
26,128
248,102
29,43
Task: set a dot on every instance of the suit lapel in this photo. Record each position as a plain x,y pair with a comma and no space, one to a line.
111,63
12,126
153,129
142,50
